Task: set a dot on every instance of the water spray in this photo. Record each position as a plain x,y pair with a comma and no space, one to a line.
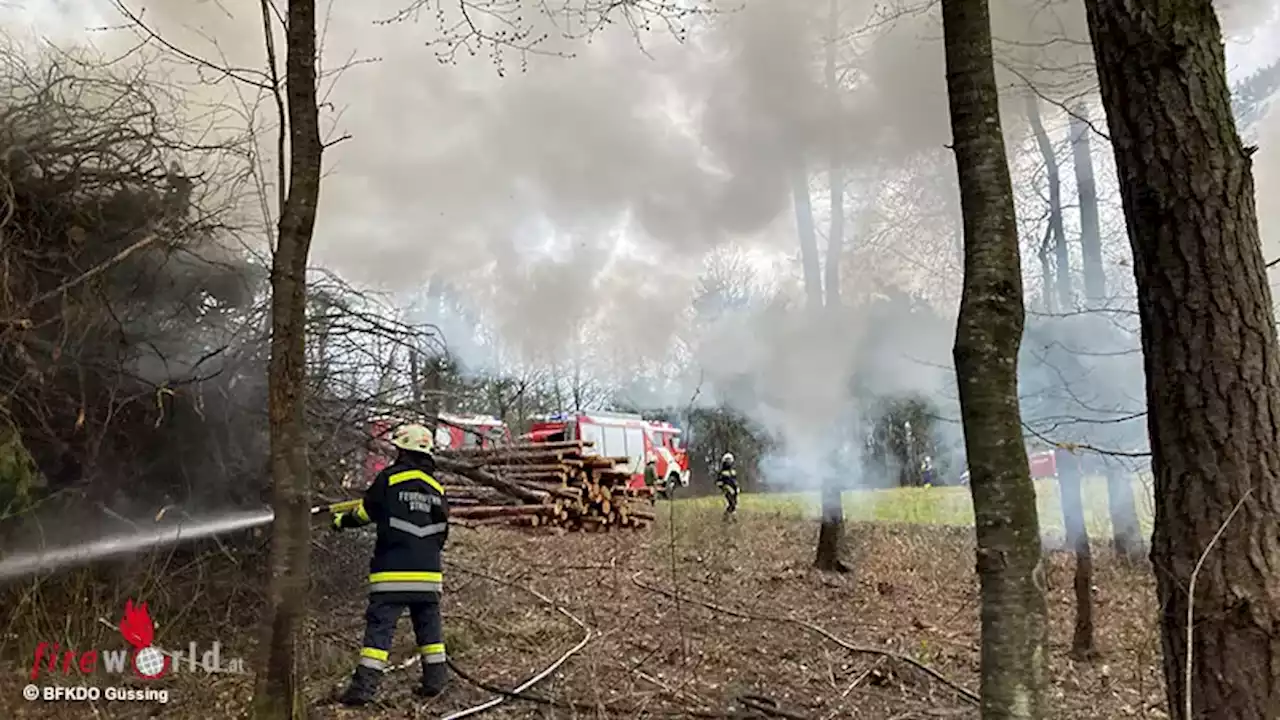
21,564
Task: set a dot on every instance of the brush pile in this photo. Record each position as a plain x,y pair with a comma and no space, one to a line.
557,484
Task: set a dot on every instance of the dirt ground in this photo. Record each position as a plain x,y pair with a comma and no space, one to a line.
755,627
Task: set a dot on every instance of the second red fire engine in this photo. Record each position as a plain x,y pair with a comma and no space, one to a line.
621,435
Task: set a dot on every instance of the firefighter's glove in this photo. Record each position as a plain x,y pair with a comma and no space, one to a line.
337,521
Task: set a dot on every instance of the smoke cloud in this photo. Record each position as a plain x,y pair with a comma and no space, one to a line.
588,190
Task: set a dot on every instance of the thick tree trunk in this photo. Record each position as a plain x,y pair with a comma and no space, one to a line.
1053,172
278,694
1077,532
1209,342
988,336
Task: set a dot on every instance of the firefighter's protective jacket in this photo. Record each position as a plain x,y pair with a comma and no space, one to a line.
728,477
408,507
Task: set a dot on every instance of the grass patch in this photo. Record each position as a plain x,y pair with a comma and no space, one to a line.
934,505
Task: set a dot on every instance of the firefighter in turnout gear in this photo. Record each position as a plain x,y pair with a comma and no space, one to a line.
727,481
651,481
408,507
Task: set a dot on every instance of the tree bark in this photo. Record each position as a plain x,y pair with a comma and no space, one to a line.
278,691
1095,278
988,336
1070,483
1053,171
1210,350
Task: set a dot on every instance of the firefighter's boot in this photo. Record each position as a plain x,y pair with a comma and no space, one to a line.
364,685
434,678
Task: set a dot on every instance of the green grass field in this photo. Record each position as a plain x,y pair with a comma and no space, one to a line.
936,505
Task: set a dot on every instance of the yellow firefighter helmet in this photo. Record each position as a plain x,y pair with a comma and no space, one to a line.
414,438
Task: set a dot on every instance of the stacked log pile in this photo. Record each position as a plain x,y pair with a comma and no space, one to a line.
557,484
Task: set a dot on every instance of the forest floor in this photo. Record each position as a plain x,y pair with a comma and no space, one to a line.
895,639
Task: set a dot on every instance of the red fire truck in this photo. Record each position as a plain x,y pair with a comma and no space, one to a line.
469,431
621,435
1044,465
452,431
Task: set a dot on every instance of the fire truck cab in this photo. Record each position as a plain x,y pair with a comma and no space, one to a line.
470,431
621,435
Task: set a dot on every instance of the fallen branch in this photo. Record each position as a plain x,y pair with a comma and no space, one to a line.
964,692
588,634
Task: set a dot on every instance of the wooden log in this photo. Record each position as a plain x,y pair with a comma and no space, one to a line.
455,489
525,457
633,492
530,468
563,492
533,461
478,492
481,522
557,478
536,457
600,461
508,457
552,484
490,479
492,511
514,448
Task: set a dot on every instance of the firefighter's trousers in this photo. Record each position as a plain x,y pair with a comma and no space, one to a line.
379,632
730,491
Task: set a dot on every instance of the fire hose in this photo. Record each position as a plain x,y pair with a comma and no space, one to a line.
336,507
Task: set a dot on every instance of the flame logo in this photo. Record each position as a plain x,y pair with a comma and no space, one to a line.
136,625
138,630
